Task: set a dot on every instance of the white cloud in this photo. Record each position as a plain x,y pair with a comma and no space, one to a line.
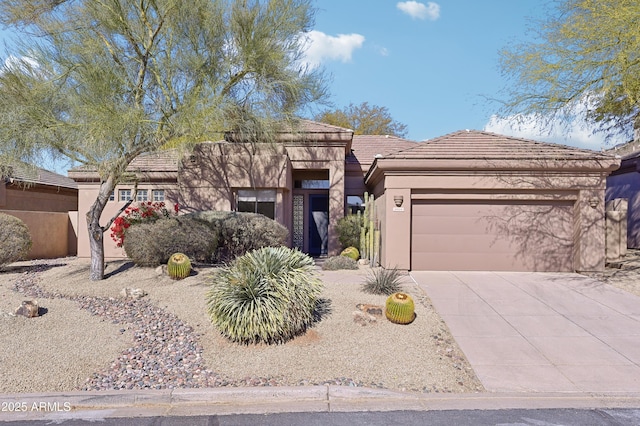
419,11
528,127
321,47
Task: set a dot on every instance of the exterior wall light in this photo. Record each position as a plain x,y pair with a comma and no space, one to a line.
398,199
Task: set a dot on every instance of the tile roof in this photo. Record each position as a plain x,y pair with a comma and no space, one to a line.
626,150
310,126
24,173
365,147
475,145
159,161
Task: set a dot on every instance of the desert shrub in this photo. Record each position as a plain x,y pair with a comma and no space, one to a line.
382,281
240,233
152,243
351,252
335,263
142,212
267,295
15,239
349,230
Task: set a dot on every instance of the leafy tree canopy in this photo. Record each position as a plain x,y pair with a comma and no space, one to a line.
584,63
103,81
364,119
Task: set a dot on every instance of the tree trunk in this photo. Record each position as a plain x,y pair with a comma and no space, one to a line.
96,245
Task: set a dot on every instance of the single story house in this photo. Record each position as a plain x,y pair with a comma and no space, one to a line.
468,200
47,203
625,183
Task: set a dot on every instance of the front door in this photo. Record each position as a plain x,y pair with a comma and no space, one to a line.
318,224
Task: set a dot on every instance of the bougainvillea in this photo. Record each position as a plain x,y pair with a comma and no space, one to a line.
143,212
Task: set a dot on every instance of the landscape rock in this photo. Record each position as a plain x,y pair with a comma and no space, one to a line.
28,308
132,293
363,319
375,310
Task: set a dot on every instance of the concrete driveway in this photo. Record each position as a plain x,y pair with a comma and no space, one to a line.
541,332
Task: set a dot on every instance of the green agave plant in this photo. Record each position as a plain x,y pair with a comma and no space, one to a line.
267,295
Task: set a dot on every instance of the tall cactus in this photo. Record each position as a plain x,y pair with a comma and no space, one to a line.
369,235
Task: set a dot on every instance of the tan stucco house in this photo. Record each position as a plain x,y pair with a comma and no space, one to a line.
625,183
47,203
469,200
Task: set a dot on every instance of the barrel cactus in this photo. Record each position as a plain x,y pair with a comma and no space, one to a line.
351,252
178,266
399,308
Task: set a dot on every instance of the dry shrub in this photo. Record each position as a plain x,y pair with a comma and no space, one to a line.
15,239
152,243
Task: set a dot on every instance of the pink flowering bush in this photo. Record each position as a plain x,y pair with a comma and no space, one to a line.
142,213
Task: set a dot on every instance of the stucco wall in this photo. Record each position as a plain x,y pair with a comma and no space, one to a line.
587,189
627,185
52,234
39,198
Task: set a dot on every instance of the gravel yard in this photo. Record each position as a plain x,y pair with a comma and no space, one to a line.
90,337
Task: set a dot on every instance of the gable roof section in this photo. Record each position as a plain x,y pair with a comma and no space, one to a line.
40,176
474,144
477,150
364,148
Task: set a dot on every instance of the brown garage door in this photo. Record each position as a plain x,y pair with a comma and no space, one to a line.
492,235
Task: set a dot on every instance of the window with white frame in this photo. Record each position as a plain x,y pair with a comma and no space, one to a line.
112,196
124,195
158,194
257,201
142,195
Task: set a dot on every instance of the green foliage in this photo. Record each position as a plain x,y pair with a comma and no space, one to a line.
100,83
351,252
582,65
335,263
15,239
400,309
152,243
382,281
240,233
268,295
364,119
178,266
348,228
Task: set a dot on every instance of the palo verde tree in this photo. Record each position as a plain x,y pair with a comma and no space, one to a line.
100,82
584,63
364,119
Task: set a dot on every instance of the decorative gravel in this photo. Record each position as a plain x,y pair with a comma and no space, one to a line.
165,352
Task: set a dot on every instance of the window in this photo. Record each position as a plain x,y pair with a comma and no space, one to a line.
257,201
355,203
158,195
124,195
112,196
142,195
312,184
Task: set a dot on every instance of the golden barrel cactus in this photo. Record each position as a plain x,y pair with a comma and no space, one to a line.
400,308
178,266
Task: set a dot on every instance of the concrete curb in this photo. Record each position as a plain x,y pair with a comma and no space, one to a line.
182,402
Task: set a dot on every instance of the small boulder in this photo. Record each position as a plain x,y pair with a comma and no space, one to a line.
375,310
363,319
28,308
132,293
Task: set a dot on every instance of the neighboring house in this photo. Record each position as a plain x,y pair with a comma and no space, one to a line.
468,200
625,183
47,202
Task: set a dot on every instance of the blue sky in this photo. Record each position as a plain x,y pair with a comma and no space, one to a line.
432,64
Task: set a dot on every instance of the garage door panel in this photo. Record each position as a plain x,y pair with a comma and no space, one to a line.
465,235
452,243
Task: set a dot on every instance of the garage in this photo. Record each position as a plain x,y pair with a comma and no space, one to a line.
475,200
494,235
